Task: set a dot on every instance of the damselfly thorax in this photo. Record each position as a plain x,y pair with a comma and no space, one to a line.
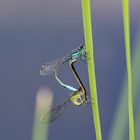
78,98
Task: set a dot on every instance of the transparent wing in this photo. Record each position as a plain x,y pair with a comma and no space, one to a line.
51,67
57,111
54,113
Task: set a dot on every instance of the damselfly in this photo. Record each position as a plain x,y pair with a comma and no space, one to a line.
78,98
52,67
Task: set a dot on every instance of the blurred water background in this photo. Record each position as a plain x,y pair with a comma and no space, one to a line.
33,32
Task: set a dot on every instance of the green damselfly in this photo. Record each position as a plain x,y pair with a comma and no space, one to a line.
52,67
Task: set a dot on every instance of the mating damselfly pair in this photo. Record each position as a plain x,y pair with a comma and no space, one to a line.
78,96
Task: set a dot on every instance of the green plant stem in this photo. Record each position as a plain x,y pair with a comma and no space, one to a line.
91,69
129,73
137,123
120,120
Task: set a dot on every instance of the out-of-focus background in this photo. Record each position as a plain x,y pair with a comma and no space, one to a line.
34,32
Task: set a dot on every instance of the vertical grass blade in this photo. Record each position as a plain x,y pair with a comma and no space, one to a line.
137,120
43,103
125,4
91,70
137,124
121,116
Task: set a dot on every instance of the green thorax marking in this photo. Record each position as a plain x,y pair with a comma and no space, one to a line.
76,53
